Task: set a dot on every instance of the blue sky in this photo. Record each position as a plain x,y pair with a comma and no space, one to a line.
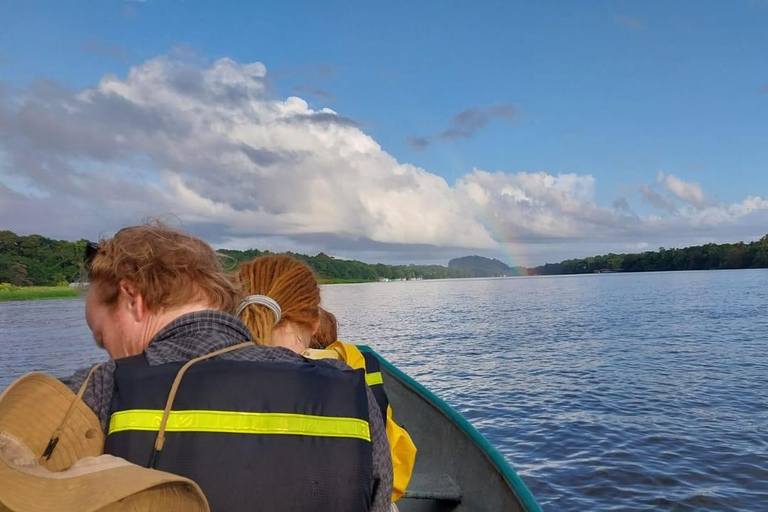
622,93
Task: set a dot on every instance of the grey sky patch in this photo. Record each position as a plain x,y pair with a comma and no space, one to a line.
315,91
419,143
630,22
51,120
466,124
309,73
188,80
652,197
128,12
107,49
620,203
324,118
325,70
763,89
373,252
265,157
215,233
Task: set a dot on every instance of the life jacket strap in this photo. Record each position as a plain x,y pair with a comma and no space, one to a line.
48,452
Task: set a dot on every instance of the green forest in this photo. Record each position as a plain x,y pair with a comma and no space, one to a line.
329,268
702,257
35,260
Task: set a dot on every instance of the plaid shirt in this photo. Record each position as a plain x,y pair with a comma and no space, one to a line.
196,334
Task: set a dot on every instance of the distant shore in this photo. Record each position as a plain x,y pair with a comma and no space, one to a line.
38,293
64,292
341,280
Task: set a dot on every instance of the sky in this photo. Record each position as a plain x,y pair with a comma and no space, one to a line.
396,132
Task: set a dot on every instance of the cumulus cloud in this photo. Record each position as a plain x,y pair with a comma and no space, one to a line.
466,124
211,145
536,206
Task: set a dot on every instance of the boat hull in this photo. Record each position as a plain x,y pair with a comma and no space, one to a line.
456,467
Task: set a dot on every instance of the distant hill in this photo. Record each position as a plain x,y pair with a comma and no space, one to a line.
479,266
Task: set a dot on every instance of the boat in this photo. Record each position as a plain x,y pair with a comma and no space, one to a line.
457,469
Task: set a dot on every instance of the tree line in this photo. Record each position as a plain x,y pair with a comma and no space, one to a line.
702,257
35,260
334,268
40,261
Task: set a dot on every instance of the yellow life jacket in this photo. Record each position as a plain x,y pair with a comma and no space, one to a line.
400,443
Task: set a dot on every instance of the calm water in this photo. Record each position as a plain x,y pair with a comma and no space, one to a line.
605,392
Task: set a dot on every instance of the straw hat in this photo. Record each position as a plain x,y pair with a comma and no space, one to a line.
50,459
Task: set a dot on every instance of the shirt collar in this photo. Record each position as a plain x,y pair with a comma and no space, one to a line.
195,334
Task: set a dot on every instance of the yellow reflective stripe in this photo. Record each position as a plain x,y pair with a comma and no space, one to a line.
232,422
373,378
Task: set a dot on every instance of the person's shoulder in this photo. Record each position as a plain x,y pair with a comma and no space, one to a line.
76,380
256,352
282,355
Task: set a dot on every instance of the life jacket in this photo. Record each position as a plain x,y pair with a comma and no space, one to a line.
401,445
253,435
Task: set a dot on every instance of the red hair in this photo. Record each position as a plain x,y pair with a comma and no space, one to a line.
170,268
287,281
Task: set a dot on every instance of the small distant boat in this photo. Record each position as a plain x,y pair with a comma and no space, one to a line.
457,469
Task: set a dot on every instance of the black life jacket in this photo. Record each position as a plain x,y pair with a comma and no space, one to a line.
271,436
375,382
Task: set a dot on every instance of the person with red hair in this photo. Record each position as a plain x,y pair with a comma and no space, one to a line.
187,391
282,309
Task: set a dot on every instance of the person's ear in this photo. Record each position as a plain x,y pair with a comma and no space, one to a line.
133,301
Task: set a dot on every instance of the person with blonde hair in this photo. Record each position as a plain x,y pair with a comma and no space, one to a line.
281,308
187,391
327,332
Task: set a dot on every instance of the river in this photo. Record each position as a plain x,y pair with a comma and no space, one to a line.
605,392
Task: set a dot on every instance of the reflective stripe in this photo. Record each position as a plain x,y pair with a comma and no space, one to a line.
373,378
232,422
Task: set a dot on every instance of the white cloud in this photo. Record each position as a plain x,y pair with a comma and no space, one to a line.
210,145
220,150
688,192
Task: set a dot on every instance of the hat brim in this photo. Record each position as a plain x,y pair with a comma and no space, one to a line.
76,478
103,483
35,406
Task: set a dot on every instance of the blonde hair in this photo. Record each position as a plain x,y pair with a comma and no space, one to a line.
327,332
170,268
287,281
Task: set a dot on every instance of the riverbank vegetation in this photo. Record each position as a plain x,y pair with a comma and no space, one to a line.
702,257
10,292
35,260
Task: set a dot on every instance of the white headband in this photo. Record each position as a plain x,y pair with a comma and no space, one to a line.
264,301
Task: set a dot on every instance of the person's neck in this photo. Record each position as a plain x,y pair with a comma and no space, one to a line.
157,322
291,337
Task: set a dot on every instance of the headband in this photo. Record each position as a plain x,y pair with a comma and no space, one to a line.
262,300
